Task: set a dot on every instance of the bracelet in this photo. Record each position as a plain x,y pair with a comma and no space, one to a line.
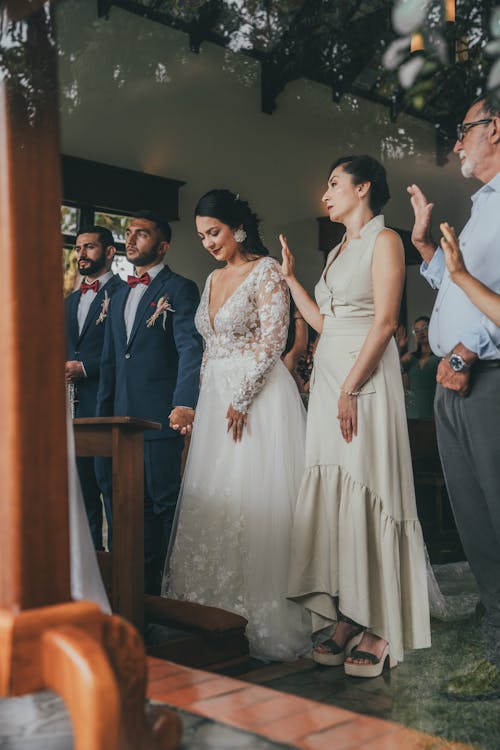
354,394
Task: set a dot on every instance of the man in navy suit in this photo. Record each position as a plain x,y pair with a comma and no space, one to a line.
151,368
86,313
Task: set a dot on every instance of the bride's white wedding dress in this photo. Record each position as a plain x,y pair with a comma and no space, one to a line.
86,581
234,516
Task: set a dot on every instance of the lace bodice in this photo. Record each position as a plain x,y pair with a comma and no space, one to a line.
251,326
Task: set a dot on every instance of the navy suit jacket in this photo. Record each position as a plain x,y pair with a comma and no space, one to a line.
86,347
159,367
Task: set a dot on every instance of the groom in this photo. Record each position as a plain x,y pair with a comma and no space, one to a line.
150,369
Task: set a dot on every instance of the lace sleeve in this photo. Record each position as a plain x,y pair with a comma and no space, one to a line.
272,302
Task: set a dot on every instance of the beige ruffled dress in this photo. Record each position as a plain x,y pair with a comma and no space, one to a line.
356,534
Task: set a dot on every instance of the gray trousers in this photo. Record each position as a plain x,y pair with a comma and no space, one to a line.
468,432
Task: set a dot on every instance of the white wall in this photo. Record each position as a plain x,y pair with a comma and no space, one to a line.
133,95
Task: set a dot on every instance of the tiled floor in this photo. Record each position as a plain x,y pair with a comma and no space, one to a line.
248,705
288,719
40,722
221,713
411,693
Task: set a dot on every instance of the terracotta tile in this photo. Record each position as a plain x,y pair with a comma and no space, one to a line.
258,717
184,697
222,705
158,673
162,668
410,740
299,725
164,685
352,734
154,663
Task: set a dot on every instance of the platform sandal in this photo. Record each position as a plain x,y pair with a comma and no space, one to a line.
335,656
369,670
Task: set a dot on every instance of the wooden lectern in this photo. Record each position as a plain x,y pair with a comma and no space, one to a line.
94,661
121,438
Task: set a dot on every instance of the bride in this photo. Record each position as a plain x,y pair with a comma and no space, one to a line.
232,540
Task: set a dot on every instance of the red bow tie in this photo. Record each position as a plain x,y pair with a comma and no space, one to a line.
132,281
87,287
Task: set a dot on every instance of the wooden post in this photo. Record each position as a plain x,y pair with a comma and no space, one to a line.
34,569
45,639
121,438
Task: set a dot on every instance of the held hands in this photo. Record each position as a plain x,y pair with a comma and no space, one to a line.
452,253
288,265
73,370
421,233
236,420
348,416
181,418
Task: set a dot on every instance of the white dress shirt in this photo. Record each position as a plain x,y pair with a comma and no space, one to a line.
87,299
454,318
134,297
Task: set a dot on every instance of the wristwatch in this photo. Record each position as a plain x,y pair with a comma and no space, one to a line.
458,363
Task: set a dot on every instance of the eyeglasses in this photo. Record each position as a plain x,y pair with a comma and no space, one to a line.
422,329
465,126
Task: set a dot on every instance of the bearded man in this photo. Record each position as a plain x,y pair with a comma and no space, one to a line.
86,315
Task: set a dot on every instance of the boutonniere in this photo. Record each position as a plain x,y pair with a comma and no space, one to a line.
104,309
162,308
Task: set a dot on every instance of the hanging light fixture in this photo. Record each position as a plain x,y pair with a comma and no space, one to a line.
417,43
449,10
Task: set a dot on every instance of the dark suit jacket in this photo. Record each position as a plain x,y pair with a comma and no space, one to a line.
159,367
87,346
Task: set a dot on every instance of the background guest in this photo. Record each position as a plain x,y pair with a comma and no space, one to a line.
419,369
296,344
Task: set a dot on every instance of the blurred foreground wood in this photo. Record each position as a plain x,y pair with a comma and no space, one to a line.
94,661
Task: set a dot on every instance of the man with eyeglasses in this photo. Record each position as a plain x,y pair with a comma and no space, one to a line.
467,403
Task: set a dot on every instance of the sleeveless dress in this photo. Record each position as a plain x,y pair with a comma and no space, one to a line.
235,509
356,533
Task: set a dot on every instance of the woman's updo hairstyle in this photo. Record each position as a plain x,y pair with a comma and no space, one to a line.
231,210
367,169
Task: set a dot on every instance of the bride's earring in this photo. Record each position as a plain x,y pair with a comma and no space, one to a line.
240,235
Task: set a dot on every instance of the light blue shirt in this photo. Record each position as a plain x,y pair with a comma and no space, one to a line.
454,318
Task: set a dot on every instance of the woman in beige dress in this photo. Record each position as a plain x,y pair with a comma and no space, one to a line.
357,558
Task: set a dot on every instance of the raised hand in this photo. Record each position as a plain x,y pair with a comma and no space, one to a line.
288,265
421,233
452,253
401,337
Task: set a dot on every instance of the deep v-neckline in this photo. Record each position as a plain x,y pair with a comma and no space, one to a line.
212,320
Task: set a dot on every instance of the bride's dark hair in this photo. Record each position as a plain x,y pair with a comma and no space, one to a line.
231,210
